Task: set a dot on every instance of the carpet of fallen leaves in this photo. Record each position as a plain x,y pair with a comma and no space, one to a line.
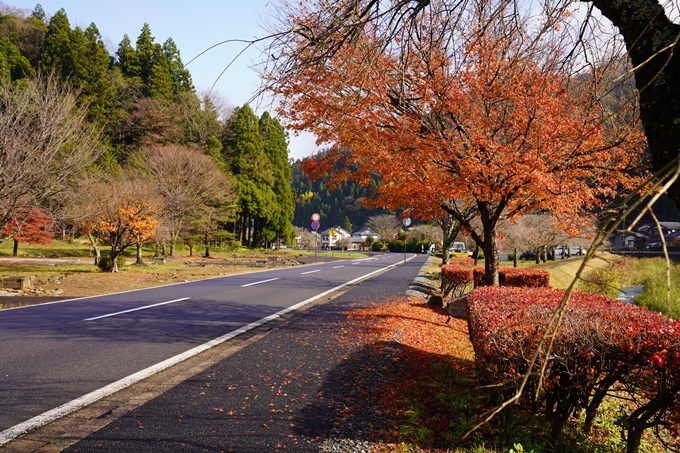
426,392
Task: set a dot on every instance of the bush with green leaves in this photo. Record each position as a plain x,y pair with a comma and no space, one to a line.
105,263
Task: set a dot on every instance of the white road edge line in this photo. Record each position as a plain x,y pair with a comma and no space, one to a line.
136,309
310,272
85,400
257,283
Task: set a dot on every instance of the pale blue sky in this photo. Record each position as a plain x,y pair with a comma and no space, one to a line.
194,26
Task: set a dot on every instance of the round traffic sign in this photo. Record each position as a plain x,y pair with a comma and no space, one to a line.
315,225
316,217
406,221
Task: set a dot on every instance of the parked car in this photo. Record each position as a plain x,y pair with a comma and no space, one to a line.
653,245
573,251
458,247
528,255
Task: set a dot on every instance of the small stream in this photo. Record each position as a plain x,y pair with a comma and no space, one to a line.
629,293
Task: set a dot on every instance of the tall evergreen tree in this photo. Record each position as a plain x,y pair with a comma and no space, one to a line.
199,120
39,13
95,72
346,224
244,152
144,49
181,79
147,66
158,83
279,225
13,65
56,49
127,59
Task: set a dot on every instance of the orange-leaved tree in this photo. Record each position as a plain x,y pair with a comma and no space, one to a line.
126,214
487,118
31,225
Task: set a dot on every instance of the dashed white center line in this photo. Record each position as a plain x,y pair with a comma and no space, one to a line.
135,309
310,272
257,283
338,267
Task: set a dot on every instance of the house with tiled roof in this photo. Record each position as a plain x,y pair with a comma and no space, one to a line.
331,241
359,238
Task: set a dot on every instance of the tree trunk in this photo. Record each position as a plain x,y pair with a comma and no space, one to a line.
241,229
249,232
649,35
15,249
207,246
450,230
256,233
114,260
514,260
95,249
633,443
140,259
490,258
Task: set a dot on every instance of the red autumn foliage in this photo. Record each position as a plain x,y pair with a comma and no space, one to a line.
601,343
493,125
517,277
465,262
425,344
32,225
455,279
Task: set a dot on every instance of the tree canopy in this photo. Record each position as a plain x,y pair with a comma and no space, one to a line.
130,111
485,114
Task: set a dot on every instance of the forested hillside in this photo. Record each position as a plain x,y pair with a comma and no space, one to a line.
333,205
192,169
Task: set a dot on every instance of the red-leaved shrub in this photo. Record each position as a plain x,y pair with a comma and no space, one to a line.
465,262
528,277
515,276
455,279
601,343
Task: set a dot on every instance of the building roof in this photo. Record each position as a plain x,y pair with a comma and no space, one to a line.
365,232
339,229
670,225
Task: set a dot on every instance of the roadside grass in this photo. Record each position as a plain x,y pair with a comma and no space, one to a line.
81,248
651,273
438,399
600,275
54,249
70,271
607,274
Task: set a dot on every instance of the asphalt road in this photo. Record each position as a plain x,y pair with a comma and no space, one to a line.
289,391
53,354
